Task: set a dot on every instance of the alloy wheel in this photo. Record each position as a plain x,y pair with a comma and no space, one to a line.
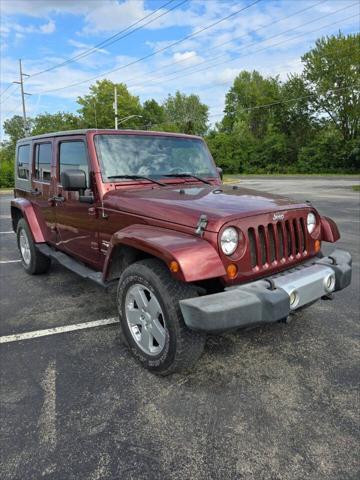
145,319
24,247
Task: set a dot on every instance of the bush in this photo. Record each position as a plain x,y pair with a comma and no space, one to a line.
6,174
328,153
6,165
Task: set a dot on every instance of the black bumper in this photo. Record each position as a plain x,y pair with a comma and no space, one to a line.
268,300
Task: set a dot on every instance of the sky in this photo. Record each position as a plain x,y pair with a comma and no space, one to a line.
195,46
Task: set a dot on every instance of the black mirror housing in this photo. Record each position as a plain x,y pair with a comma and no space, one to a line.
220,172
73,180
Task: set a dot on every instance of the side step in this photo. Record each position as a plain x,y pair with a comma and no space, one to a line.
72,264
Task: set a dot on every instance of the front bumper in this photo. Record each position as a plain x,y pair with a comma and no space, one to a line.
270,299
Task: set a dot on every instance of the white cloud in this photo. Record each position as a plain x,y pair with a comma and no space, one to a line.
83,47
187,58
48,27
233,44
42,8
21,30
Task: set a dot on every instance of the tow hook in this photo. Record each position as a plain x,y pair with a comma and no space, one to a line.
328,296
286,320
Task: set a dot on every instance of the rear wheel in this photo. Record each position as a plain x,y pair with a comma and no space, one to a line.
151,319
33,261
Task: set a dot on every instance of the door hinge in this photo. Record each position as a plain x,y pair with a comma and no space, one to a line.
201,225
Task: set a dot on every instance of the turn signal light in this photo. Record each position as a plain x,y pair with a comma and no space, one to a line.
231,271
174,266
317,246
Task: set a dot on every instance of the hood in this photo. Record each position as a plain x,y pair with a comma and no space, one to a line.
184,205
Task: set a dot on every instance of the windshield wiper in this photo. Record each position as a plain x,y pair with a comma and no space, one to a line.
187,175
138,177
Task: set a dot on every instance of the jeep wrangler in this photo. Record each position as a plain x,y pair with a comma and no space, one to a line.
190,255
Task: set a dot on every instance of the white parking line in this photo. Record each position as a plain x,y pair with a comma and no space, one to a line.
53,331
10,261
5,216
7,232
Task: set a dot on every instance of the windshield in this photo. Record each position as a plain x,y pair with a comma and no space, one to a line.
152,156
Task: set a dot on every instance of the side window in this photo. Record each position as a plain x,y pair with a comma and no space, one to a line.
43,161
73,155
23,162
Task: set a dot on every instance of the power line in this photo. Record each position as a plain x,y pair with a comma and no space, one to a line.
256,51
187,37
115,38
230,41
219,105
6,89
246,46
8,96
257,107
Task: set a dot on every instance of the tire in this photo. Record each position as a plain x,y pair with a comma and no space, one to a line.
33,261
173,347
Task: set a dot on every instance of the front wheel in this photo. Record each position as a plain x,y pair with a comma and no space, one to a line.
151,319
33,261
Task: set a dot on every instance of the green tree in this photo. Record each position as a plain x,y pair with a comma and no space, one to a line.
7,153
47,122
327,152
153,115
246,103
186,114
331,73
14,128
295,117
97,108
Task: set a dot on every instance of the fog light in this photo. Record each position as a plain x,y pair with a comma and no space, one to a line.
294,299
231,271
329,282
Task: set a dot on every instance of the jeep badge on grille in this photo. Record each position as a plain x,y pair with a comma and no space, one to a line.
278,216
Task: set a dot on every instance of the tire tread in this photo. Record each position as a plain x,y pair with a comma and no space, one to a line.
190,344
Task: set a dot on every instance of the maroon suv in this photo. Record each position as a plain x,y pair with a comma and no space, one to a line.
190,255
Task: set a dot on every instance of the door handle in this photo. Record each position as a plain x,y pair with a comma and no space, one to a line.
35,192
92,211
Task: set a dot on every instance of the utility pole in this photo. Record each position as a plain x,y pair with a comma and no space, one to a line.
115,105
21,83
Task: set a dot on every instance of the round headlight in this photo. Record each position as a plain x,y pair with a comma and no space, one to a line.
311,222
229,240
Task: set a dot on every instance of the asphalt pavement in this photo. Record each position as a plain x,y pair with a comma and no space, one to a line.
275,403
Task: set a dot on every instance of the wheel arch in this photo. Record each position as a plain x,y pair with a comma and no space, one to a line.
197,258
22,208
329,230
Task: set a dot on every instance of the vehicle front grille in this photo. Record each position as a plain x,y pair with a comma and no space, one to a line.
277,242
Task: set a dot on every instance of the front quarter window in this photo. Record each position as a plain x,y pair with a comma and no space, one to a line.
152,156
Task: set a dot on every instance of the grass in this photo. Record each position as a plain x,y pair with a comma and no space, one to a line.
6,191
356,188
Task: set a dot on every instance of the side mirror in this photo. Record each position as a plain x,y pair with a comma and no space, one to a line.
73,180
220,172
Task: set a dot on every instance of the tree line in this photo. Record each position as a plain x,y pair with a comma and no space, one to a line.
307,124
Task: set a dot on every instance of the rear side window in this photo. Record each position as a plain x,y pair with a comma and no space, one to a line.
23,162
43,161
73,155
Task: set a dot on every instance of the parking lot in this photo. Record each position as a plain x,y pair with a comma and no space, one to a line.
278,402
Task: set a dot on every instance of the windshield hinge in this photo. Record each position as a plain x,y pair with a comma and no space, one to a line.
201,225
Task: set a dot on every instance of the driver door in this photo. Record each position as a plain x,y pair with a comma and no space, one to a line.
76,222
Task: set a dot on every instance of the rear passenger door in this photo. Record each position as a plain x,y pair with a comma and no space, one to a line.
42,185
76,223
